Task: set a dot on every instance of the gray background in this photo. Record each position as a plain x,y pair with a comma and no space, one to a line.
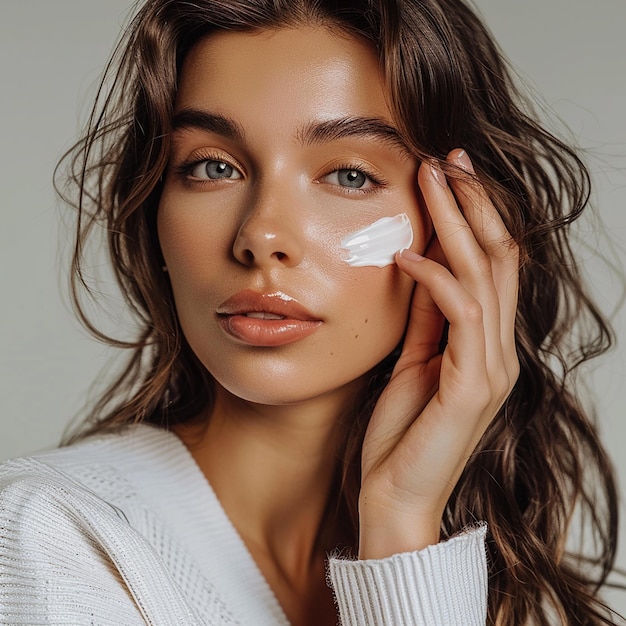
51,53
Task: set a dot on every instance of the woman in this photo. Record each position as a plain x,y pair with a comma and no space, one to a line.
335,399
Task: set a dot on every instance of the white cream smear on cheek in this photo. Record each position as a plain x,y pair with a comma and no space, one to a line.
376,245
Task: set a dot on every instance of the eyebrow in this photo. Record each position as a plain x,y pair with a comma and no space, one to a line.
210,122
360,127
311,133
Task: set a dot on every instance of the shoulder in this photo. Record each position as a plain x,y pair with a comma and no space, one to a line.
109,465
66,543
51,563
41,507
75,487
40,493
50,484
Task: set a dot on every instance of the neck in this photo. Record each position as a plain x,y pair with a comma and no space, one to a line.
272,469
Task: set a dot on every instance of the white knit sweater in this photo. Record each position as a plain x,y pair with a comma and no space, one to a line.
124,529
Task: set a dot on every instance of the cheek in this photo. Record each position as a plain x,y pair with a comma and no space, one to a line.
376,244
378,298
191,242
389,304
378,301
371,303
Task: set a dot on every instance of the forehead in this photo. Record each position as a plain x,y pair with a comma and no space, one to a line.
284,74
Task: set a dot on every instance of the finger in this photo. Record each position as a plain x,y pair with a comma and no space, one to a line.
457,305
453,231
486,223
468,261
455,418
480,213
493,236
416,377
462,242
426,321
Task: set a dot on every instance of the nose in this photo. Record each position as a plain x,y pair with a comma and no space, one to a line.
271,235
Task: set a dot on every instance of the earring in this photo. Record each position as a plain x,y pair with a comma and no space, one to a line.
164,268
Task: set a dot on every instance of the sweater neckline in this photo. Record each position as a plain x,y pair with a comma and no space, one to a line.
175,485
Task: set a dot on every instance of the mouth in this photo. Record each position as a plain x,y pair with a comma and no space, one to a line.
264,315
266,319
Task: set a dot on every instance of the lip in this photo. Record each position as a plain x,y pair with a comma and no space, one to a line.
279,320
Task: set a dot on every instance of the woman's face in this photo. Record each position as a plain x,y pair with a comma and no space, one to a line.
283,145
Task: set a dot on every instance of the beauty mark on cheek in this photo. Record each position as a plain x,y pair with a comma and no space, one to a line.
376,245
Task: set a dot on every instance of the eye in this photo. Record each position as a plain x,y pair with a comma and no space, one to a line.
353,178
212,169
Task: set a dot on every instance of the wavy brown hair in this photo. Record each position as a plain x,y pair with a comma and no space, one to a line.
540,466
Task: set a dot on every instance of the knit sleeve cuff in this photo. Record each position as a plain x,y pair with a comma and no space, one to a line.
443,584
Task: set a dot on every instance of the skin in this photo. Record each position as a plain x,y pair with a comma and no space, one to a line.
274,224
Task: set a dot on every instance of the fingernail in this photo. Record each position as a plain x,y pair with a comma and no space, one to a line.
464,161
410,255
438,175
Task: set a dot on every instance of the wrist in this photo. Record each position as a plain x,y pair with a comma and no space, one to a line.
382,545
387,532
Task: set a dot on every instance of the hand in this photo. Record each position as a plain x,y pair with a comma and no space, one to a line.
436,407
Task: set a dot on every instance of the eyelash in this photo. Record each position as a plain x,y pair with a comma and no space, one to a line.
184,170
377,180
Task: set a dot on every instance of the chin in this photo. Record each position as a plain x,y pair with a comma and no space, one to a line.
276,388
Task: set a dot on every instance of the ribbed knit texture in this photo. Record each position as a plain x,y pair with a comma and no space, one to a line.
445,584
125,530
